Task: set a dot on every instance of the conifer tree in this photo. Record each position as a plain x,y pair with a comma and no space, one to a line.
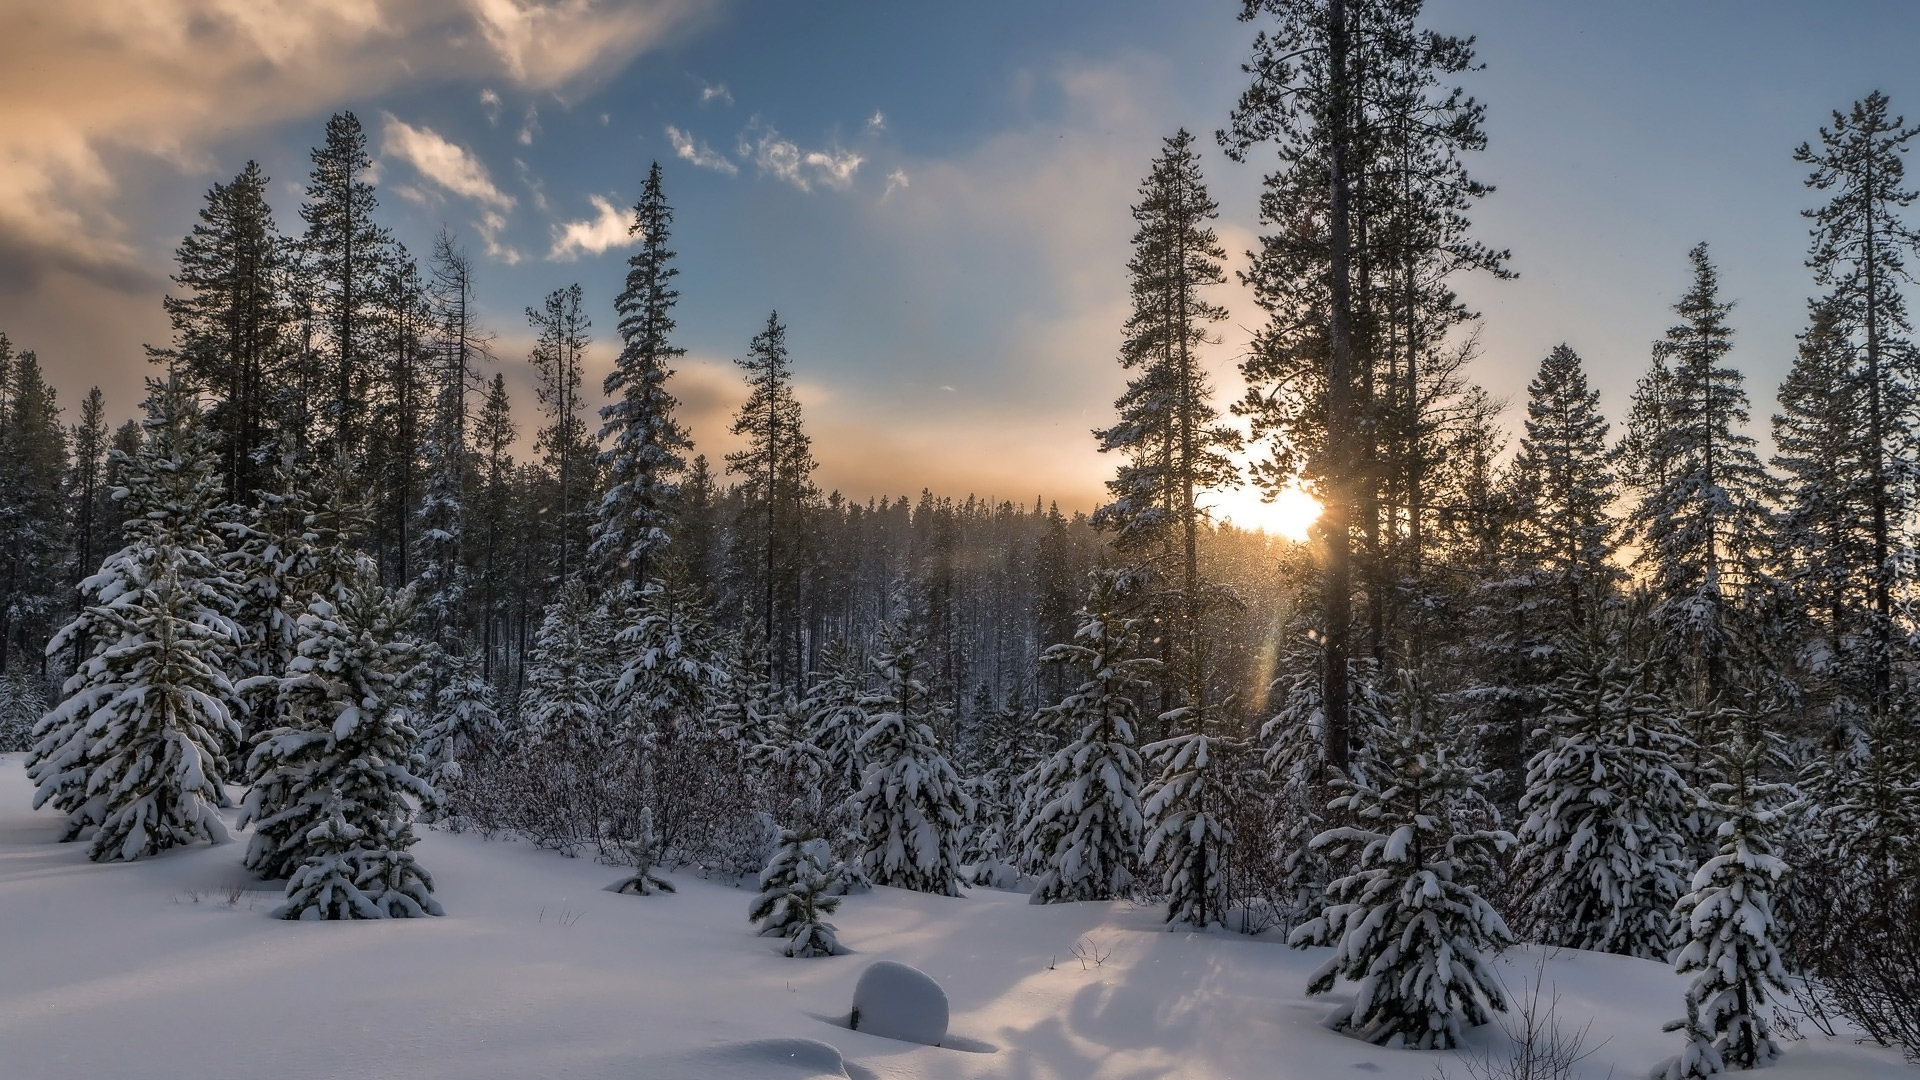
648,448
834,721
559,357
33,508
1406,925
464,716
1726,936
231,319
1087,831
1858,252
1700,528
345,253
1188,831
135,746
911,811
1602,858
441,538
563,705
670,664
1823,492
86,484
776,487
351,770
493,435
798,886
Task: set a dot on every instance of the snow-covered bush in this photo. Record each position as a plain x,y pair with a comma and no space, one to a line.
1406,926
643,850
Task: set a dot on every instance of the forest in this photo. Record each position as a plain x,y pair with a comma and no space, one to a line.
1537,675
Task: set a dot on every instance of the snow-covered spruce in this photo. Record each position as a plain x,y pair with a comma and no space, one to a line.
23,701
1295,756
464,716
1726,936
911,810
156,726
563,705
670,670
1087,831
797,890
644,852
1602,859
1407,927
170,490
1187,830
344,781
833,721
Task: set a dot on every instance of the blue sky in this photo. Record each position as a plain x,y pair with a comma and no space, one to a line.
952,274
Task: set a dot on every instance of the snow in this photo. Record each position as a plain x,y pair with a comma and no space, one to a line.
899,1002
146,969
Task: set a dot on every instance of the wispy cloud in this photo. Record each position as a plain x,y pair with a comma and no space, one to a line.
608,228
442,162
895,179
876,123
544,43
532,183
490,226
699,153
716,92
490,104
801,168
529,127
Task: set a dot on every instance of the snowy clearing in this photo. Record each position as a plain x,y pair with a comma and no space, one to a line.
170,967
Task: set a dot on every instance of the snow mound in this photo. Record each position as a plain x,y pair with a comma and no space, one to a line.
899,1002
759,1059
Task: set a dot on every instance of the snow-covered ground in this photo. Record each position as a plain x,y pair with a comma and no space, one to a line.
171,968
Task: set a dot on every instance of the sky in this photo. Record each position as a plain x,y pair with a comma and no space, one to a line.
934,198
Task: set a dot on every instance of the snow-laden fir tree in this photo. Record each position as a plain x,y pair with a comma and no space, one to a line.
671,664
156,723
1188,832
833,720
463,717
563,705
170,491
643,851
348,772
1406,926
441,535
1295,757
1603,857
798,887
1006,765
1086,835
23,701
1725,936
911,810
646,447
275,560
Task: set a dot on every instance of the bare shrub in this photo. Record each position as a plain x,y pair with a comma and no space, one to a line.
1540,1048
1855,944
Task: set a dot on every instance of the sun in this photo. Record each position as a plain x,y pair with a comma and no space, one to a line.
1290,514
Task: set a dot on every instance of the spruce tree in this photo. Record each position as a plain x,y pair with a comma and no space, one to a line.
670,664
1602,858
834,720
494,433
564,705
344,254
648,448
1406,925
797,889
1087,832
441,538
1701,525
1187,821
351,771
559,357
1858,252
162,607
1726,936
776,488
33,509
911,811
230,321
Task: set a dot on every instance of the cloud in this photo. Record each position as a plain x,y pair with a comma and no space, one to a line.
490,104
895,179
490,226
876,123
529,127
592,236
533,184
801,168
700,154
442,162
165,78
717,92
